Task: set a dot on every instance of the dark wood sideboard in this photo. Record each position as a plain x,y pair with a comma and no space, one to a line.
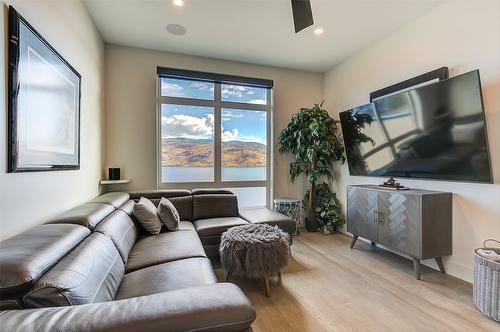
417,223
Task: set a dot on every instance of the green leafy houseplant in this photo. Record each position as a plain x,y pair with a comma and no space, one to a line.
311,136
328,211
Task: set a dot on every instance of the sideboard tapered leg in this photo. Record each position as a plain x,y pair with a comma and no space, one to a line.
439,261
354,238
416,266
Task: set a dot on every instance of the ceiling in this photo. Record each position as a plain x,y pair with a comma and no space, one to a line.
255,31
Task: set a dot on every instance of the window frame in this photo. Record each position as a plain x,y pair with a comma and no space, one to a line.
217,104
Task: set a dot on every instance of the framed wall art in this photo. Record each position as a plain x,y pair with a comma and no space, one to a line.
43,103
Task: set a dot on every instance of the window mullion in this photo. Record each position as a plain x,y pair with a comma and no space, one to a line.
217,134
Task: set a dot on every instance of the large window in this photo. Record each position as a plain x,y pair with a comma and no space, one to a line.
214,131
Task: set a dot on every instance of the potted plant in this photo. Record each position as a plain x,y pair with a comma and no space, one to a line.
311,136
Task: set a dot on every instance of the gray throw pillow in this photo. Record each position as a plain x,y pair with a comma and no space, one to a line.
146,214
169,215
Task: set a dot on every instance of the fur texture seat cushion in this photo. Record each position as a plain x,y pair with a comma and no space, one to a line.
255,251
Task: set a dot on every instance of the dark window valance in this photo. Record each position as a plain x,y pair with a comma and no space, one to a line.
213,77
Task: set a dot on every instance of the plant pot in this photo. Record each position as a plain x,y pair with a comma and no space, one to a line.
312,225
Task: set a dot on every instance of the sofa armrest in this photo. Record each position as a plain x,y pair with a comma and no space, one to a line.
219,307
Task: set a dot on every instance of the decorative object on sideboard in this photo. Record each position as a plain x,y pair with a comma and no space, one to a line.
417,223
487,280
114,173
43,103
311,136
391,183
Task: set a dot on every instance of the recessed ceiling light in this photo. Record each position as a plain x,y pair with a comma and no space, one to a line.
176,29
318,31
179,3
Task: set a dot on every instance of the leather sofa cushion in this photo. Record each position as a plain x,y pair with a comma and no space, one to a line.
115,199
263,215
128,208
215,206
25,257
216,226
162,248
185,225
221,307
165,277
91,273
87,214
121,230
184,206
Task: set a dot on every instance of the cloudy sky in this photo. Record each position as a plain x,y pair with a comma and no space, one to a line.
198,122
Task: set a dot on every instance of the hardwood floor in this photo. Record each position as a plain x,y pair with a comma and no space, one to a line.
329,287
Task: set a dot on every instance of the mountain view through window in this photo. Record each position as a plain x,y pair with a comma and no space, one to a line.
204,122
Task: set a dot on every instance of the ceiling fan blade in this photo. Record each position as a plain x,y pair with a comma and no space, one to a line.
302,14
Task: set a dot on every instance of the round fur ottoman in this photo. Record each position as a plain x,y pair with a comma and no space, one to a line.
255,251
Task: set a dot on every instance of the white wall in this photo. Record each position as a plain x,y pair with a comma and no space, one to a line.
131,108
27,199
463,35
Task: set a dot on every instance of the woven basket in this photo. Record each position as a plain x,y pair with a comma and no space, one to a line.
487,284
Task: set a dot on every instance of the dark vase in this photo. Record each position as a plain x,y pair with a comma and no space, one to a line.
312,225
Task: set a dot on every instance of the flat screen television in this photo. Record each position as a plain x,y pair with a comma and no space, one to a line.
436,131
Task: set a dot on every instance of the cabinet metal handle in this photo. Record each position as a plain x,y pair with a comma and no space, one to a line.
376,216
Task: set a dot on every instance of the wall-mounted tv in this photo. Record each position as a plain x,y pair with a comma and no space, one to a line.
436,131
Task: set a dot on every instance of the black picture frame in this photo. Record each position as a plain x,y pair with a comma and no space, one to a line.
44,97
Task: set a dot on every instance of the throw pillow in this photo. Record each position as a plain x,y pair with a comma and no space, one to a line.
146,214
169,215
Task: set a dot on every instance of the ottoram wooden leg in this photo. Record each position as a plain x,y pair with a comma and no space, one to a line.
229,275
266,286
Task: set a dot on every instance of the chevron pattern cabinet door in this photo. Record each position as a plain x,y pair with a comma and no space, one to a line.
399,222
361,209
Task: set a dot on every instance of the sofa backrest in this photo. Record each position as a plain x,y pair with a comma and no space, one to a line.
25,257
195,204
214,206
90,273
115,199
181,199
90,214
28,256
122,230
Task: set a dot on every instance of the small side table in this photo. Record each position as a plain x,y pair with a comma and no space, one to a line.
290,207
111,182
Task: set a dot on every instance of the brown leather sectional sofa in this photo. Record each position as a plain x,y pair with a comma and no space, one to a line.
93,268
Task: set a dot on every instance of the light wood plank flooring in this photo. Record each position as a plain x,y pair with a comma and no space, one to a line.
328,287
